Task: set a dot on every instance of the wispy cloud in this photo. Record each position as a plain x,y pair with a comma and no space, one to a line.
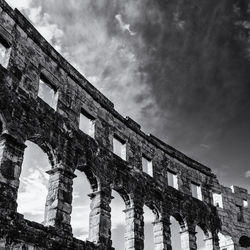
247,174
206,146
124,26
51,32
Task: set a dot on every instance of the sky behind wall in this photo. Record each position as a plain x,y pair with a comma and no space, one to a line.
179,68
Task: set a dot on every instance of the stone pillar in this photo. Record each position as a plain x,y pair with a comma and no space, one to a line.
162,234
11,159
188,238
100,217
134,232
212,242
58,204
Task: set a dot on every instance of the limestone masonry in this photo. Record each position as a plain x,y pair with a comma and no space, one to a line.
43,99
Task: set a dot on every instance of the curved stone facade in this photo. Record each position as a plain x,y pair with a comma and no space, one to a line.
25,114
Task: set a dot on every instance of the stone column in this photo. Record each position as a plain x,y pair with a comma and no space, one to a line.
100,217
11,159
162,234
134,232
58,204
188,238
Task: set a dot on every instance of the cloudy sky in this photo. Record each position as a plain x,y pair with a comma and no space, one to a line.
179,68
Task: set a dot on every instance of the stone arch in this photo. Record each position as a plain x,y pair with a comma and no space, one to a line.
124,195
34,180
92,178
205,230
174,235
86,193
81,164
244,241
46,147
203,237
154,208
181,220
152,215
120,202
81,201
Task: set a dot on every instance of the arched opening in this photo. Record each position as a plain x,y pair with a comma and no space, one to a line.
226,242
33,188
80,206
149,218
200,239
244,241
1,127
175,234
117,221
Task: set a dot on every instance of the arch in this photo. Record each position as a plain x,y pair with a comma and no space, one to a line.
201,237
175,229
180,219
92,178
244,241
85,185
149,218
154,208
118,226
122,189
80,205
205,230
45,146
124,195
33,181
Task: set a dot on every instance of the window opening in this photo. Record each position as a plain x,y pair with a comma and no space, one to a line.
47,92
217,198
245,203
119,147
196,191
4,53
172,180
147,166
87,124
240,216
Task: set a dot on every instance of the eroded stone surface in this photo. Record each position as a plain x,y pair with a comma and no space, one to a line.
25,116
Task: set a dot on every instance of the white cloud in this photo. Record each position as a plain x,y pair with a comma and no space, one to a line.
80,221
124,26
19,4
247,174
32,199
50,31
